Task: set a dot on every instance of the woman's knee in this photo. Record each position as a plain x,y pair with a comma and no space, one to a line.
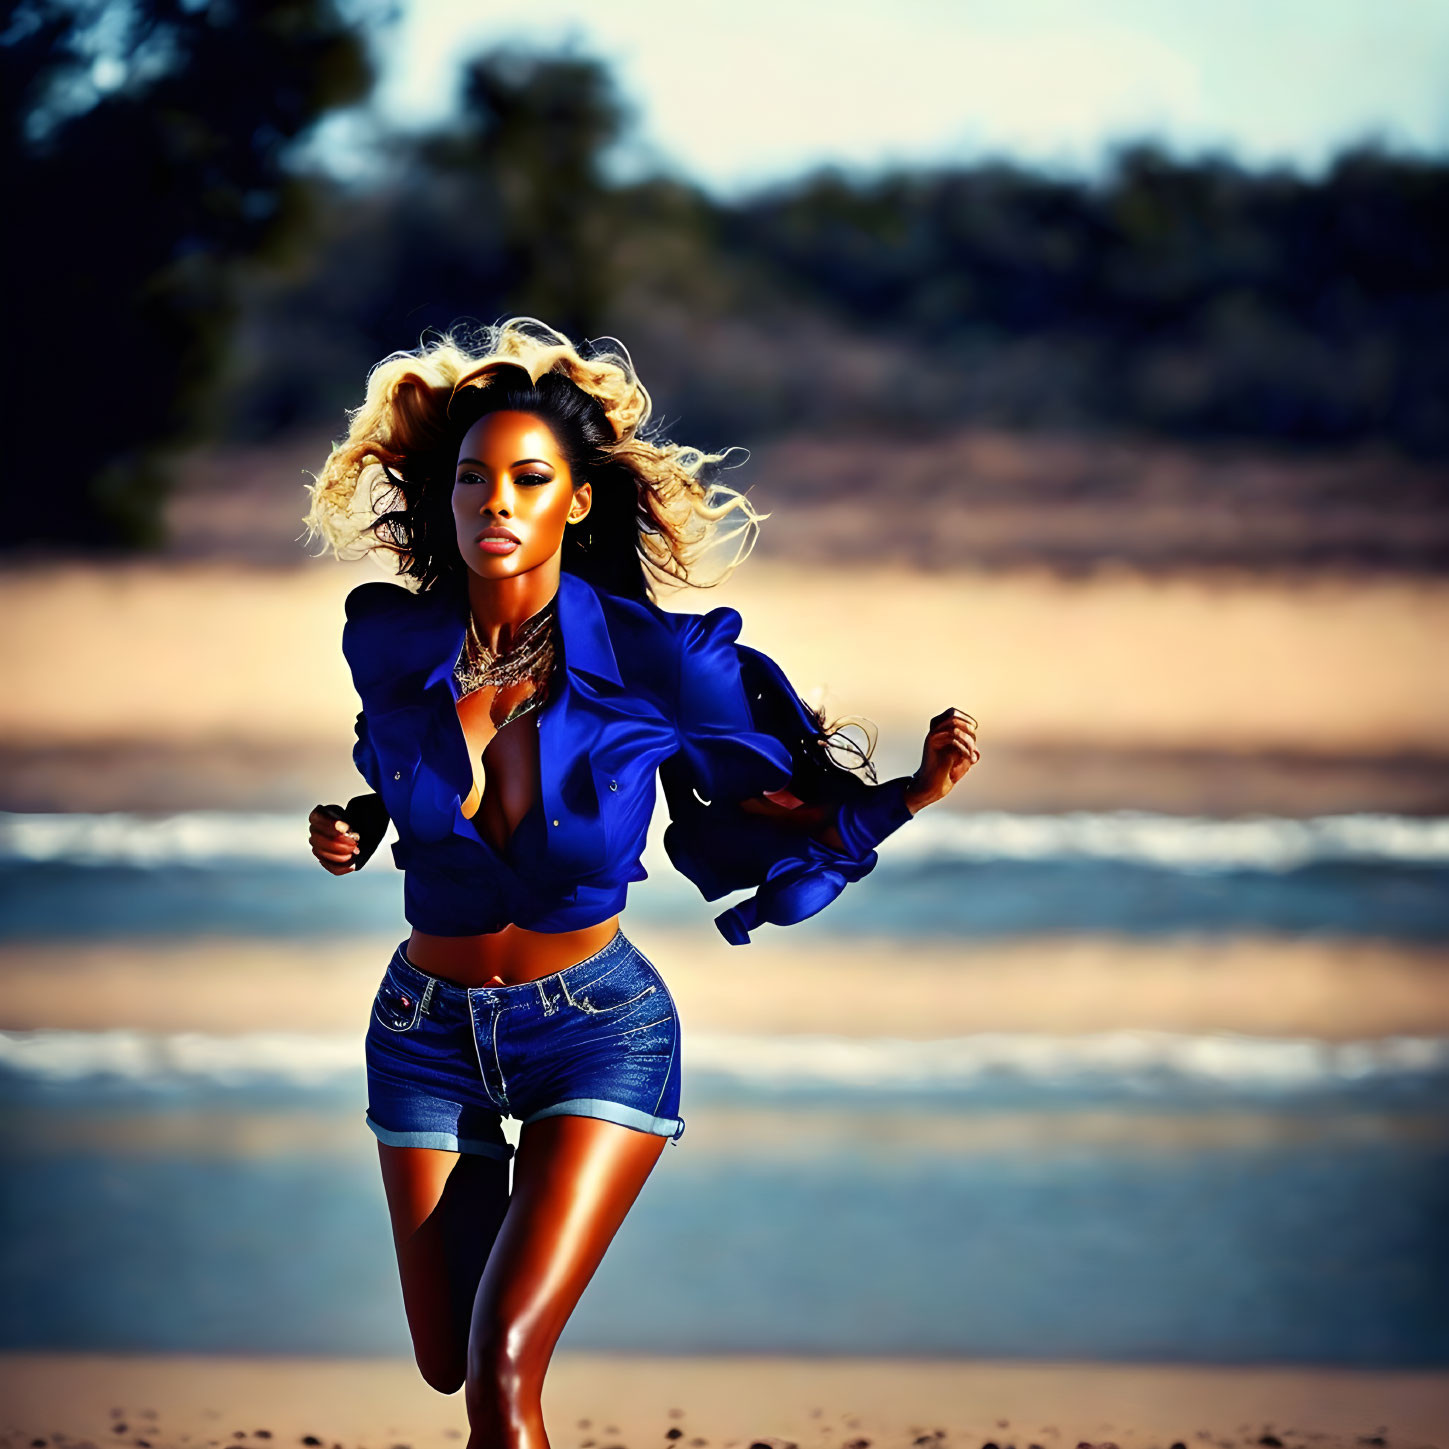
447,1376
504,1368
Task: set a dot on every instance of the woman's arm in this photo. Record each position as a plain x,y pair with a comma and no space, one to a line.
754,800
362,822
948,753
366,813
867,819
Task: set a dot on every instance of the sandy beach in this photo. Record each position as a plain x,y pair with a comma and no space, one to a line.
1332,989
222,685
215,683
626,1401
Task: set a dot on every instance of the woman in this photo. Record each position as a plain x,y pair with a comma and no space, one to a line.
517,705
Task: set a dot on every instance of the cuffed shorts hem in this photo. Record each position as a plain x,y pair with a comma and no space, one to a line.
444,1141
612,1112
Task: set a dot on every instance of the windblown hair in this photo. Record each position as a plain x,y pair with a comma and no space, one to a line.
652,517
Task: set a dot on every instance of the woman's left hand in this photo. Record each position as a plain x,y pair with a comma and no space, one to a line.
950,750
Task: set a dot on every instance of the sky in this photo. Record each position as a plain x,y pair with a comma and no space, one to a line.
736,95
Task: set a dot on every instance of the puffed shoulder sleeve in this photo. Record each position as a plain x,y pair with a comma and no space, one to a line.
365,647
744,732
374,612
726,754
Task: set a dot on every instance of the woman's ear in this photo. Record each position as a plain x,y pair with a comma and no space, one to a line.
583,501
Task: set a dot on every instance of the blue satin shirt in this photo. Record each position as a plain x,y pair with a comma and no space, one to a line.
636,690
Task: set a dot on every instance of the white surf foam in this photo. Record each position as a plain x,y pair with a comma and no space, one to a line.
203,838
1174,842
1134,1060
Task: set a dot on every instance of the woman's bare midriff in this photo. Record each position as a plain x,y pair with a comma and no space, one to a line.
506,957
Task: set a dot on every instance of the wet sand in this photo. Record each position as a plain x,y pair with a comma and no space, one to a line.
722,1402
1330,989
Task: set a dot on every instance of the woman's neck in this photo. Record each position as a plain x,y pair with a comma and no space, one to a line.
500,607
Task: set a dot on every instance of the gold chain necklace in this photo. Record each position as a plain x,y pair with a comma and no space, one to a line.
529,657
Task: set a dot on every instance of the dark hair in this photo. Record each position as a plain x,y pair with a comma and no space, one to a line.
602,549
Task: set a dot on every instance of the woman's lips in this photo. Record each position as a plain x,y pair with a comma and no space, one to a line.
498,543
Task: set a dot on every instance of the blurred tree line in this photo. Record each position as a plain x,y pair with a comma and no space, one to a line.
145,166
188,278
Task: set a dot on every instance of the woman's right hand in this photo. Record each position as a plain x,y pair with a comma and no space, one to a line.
333,840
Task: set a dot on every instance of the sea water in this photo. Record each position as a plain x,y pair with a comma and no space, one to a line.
1141,1195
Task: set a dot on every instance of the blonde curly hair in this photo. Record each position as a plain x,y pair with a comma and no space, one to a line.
658,517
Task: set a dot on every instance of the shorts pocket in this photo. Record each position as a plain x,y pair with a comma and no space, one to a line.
623,985
396,1007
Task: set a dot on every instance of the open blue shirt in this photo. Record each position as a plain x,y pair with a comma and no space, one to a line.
636,691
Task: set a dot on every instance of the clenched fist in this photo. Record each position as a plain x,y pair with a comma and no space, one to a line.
332,839
950,750
343,837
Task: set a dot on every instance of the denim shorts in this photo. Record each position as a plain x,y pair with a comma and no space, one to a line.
446,1063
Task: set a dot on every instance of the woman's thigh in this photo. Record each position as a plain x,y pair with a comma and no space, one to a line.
446,1209
443,1154
574,1180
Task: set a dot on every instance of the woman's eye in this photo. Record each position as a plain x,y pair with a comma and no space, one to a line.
534,480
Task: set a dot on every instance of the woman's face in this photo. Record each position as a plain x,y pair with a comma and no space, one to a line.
511,479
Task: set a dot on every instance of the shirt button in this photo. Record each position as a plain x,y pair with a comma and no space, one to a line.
397,774
555,822
613,784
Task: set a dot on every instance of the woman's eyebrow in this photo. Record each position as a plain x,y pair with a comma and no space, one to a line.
518,463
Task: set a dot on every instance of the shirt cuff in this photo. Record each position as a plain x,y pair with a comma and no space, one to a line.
368,816
865,819
736,923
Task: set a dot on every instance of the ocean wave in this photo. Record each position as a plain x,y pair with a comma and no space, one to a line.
302,1059
216,838
1226,1064
200,838
1174,842
1225,1060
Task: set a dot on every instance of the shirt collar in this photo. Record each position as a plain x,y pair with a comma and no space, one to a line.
582,627
584,630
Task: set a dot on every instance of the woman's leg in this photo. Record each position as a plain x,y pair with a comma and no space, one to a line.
446,1208
574,1181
